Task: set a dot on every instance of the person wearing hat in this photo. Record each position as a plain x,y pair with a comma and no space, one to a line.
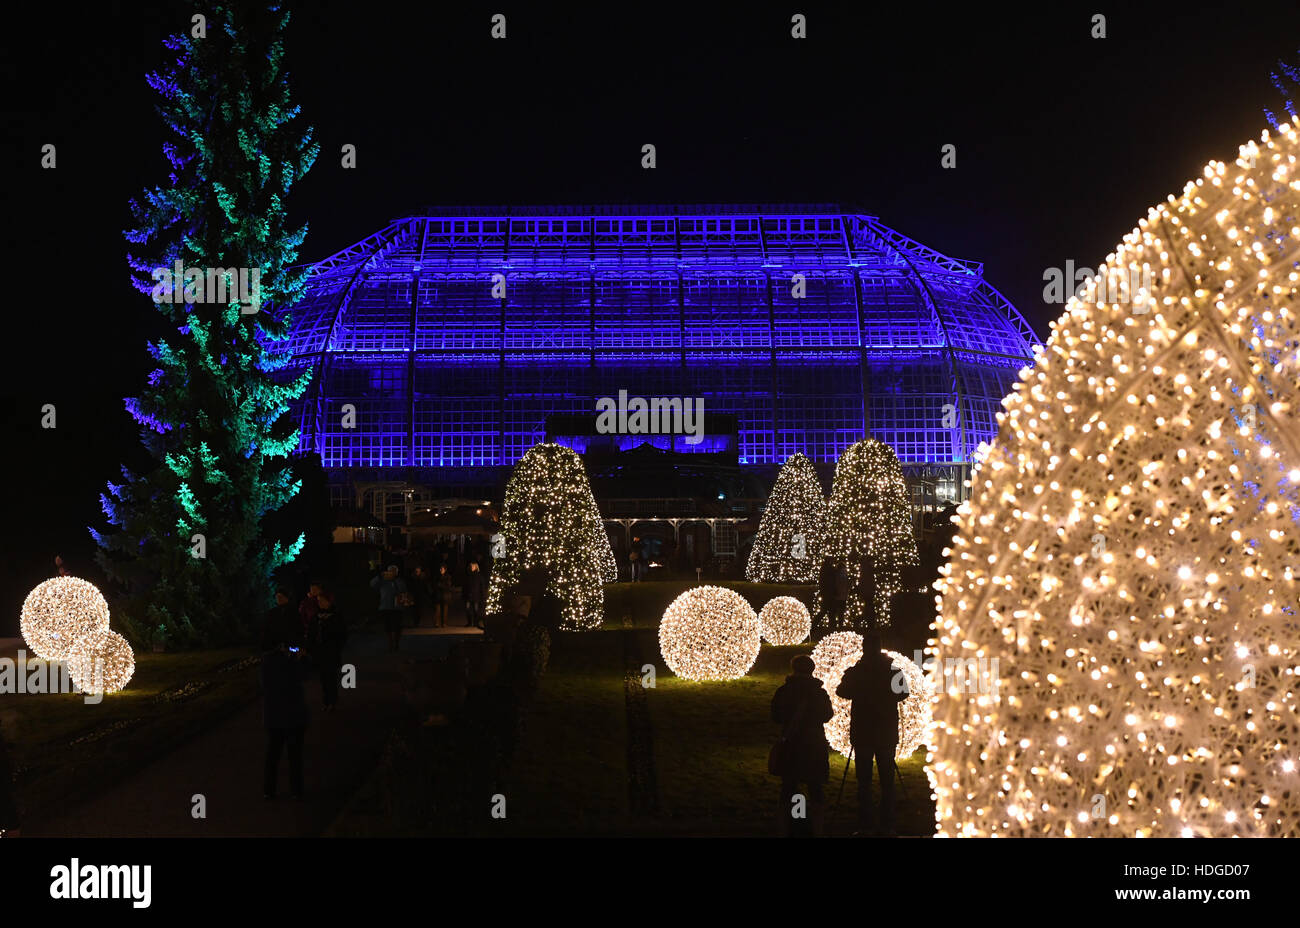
282,624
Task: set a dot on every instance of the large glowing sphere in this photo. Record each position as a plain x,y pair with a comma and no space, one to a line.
838,652
101,662
833,655
709,633
784,620
58,612
1122,586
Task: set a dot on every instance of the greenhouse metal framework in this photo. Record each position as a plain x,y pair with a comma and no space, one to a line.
455,335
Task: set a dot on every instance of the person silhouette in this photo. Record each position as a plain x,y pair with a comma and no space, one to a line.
802,707
873,728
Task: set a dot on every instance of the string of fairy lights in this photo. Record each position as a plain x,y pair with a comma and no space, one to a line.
66,619
709,633
1127,548
784,620
869,519
839,651
787,548
550,522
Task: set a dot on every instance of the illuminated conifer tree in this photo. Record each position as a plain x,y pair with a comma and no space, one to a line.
787,548
869,516
211,411
1128,551
550,522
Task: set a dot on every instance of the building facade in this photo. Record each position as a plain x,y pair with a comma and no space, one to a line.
446,344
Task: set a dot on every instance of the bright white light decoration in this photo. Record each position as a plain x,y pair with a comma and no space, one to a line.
709,633
784,620
101,661
59,611
1127,551
838,652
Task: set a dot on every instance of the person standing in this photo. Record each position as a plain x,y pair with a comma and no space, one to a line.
472,591
421,592
873,728
282,622
802,707
284,711
308,608
328,634
390,588
442,587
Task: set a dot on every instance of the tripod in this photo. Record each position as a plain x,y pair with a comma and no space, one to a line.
898,772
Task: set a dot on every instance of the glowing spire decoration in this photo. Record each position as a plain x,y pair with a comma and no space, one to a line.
869,517
787,548
1127,551
550,522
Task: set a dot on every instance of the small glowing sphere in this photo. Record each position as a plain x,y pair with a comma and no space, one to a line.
101,662
784,620
709,633
838,652
58,612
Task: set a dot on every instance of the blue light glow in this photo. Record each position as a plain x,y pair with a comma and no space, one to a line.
811,327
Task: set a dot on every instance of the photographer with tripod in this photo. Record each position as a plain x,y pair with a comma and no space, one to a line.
873,729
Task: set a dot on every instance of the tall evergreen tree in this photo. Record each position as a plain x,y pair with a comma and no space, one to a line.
869,529
787,548
551,525
210,413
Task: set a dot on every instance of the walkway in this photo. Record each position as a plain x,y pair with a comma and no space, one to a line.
225,765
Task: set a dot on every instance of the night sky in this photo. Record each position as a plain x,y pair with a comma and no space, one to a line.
1062,140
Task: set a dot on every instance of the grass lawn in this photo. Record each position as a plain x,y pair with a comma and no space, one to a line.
710,740
63,747
711,747
570,770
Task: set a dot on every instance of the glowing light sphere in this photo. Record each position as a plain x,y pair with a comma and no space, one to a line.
101,661
709,633
916,712
834,655
784,620
1124,570
58,612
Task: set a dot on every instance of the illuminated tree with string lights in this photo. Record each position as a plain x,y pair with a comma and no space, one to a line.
787,547
550,524
869,529
213,249
1128,551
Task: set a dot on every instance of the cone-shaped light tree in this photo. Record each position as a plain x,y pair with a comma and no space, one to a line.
213,248
550,523
869,529
787,548
1127,556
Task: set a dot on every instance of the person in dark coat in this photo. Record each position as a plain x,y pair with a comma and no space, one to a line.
873,728
284,713
442,587
283,623
473,592
801,706
8,808
392,590
308,608
328,634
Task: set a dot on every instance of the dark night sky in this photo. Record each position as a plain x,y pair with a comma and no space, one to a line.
1062,141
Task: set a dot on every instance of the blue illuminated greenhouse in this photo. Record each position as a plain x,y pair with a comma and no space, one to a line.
454,371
